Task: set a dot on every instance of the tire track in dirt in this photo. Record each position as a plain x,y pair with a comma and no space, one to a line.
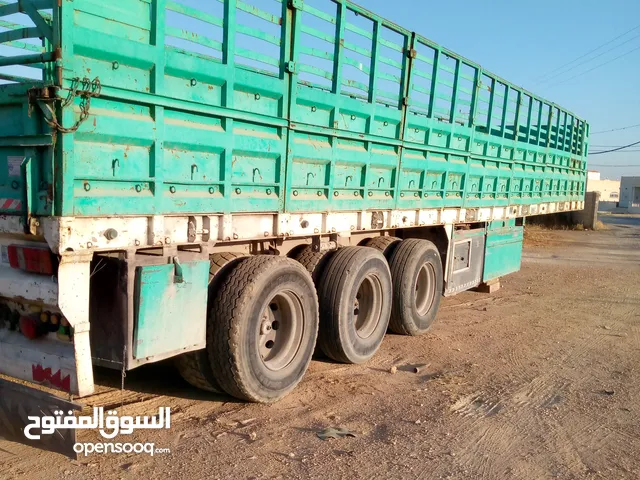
496,433
489,445
581,445
542,392
525,406
516,361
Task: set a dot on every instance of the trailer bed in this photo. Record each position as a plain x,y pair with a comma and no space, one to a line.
277,108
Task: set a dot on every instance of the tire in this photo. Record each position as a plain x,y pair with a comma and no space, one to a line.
416,272
262,296
355,278
297,250
223,261
385,244
195,367
313,262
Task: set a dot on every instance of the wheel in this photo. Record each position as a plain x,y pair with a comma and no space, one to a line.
295,251
355,299
314,262
385,244
263,328
195,367
416,271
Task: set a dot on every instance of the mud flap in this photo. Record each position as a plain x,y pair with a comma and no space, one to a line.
504,249
18,402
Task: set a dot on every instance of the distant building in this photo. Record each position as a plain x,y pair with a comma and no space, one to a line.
609,190
593,175
630,194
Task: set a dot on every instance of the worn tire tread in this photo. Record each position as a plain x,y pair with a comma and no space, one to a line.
231,303
331,286
333,279
385,244
313,262
402,255
191,369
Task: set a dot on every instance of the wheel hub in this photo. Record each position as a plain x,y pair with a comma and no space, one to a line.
267,325
425,289
280,330
367,306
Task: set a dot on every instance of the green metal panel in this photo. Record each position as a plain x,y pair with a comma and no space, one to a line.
206,162
329,172
442,184
171,308
25,146
185,123
25,156
503,253
350,70
273,106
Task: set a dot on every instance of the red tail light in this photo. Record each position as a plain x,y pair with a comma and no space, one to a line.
30,328
30,259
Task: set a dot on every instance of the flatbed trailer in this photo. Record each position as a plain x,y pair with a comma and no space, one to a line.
237,183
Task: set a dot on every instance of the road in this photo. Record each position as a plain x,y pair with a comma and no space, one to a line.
539,380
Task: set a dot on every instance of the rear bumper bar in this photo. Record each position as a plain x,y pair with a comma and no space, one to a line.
38,289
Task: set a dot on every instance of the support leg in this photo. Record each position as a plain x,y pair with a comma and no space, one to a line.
73,299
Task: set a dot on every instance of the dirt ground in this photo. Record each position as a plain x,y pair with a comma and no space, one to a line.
539,380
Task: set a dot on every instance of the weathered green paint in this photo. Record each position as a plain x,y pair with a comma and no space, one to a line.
171,301
263,112
503,251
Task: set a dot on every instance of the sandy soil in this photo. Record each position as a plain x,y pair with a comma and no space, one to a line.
539,380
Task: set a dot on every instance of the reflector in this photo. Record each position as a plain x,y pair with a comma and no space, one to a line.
30,259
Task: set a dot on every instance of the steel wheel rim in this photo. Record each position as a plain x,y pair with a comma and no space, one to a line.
425,289
367,306
280,330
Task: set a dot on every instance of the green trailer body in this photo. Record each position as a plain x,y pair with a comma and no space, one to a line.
151,148
294,109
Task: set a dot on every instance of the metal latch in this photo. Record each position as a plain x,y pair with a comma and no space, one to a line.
177,272
290,67
296,4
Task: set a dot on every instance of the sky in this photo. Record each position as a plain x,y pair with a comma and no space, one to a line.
524,42
534,45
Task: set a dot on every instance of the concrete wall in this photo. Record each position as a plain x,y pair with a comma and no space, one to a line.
589,216
630,194
609,191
